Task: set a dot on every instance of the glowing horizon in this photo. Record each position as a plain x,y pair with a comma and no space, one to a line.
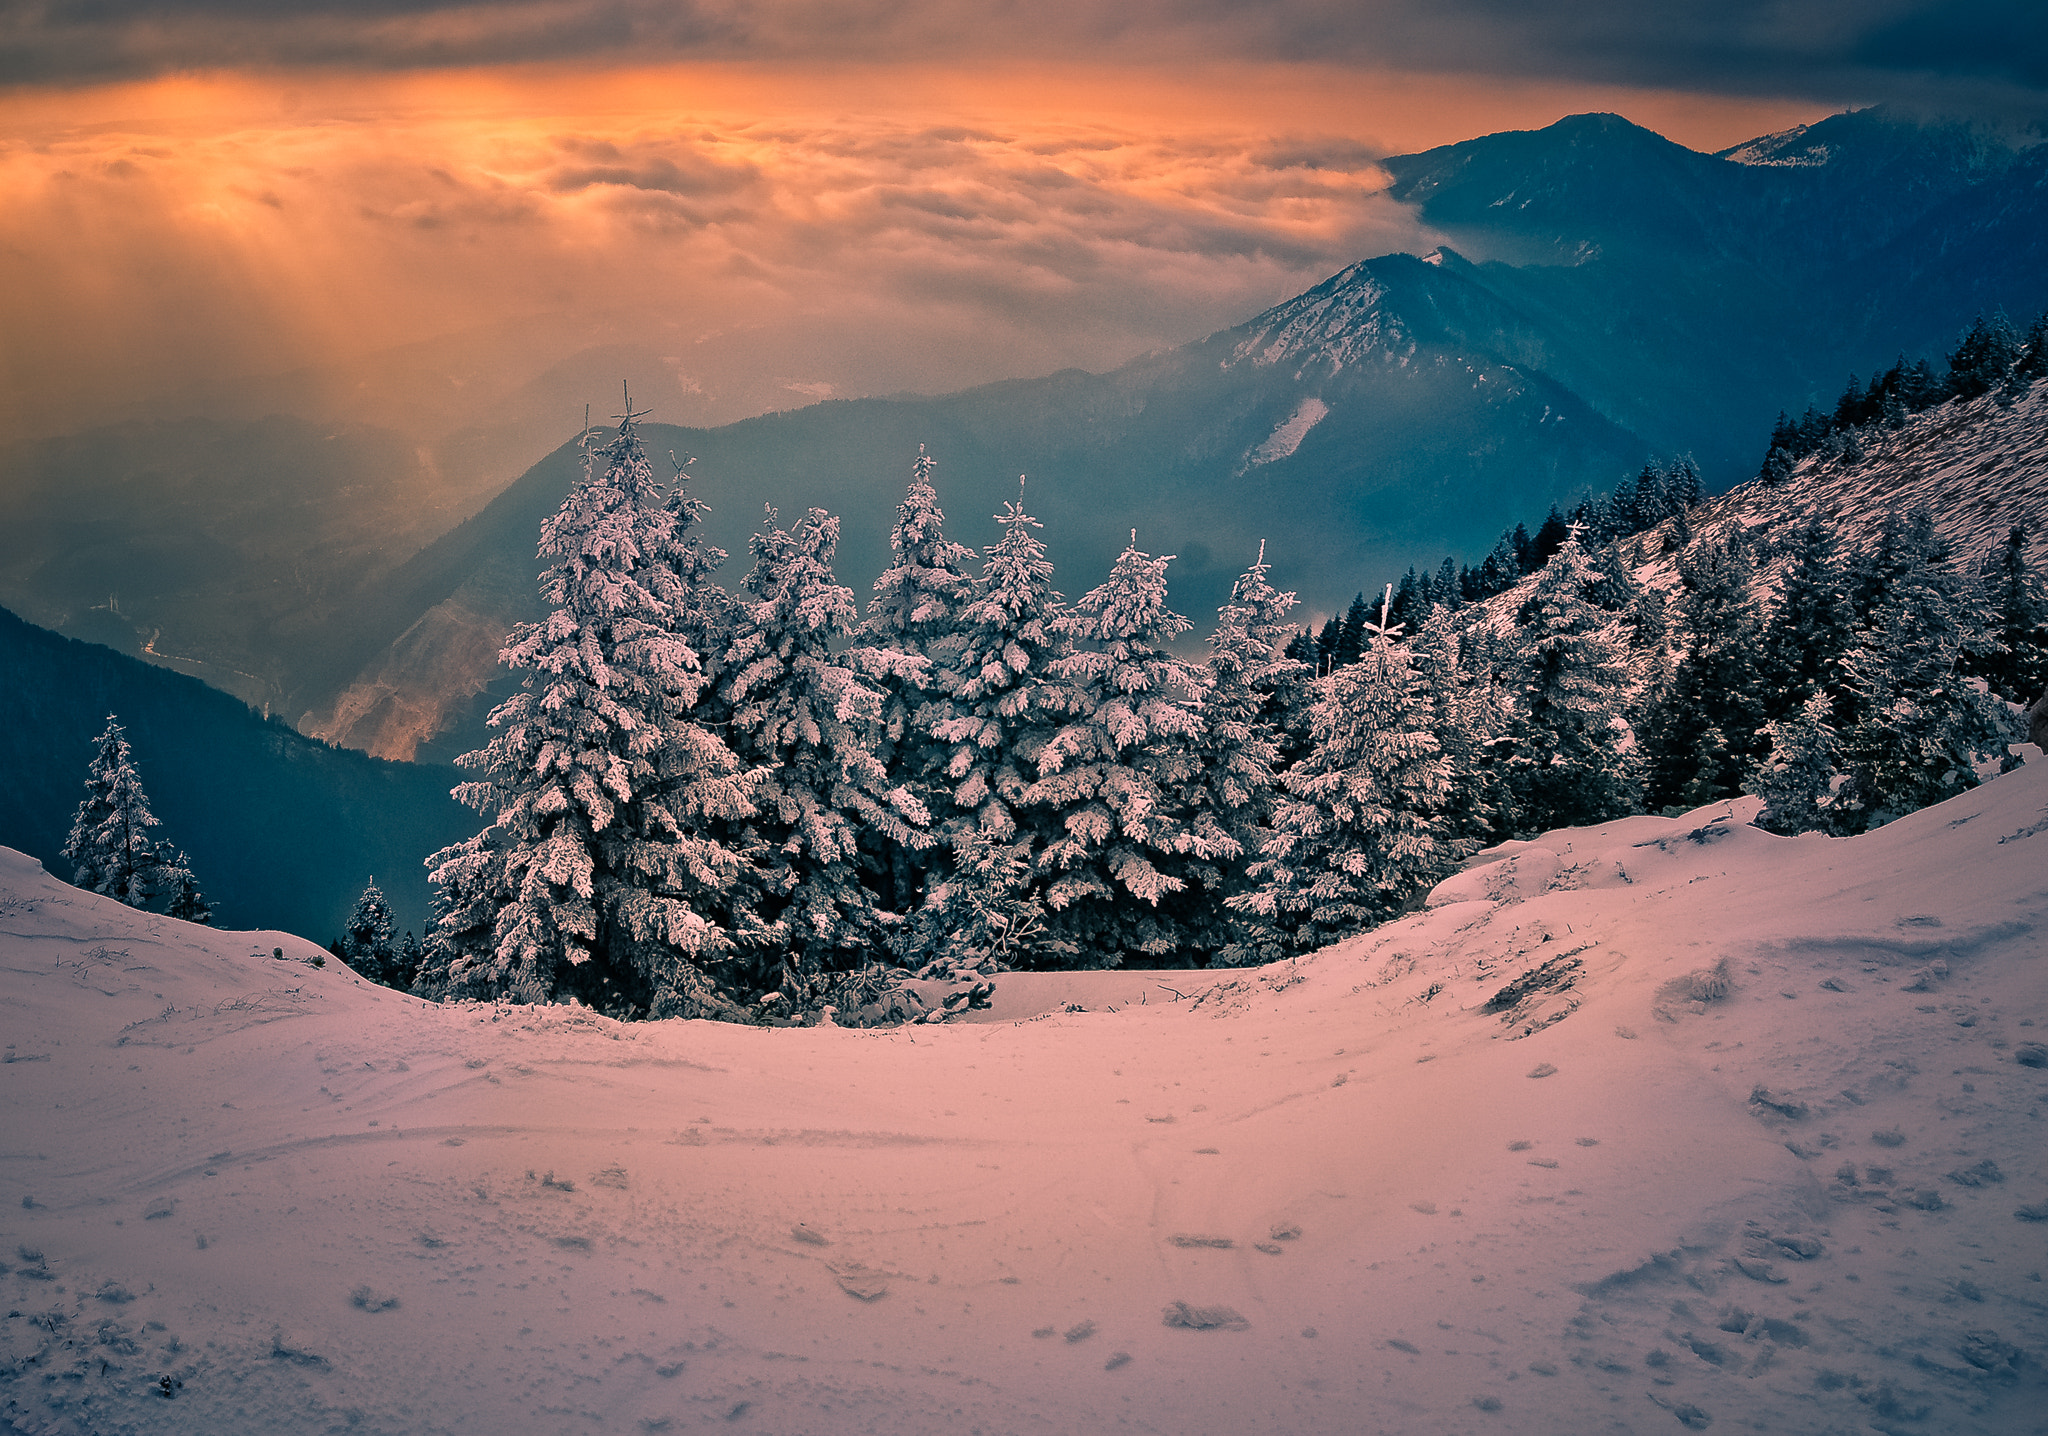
825,229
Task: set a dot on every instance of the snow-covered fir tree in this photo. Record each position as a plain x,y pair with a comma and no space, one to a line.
366,941
915,614
984,911
1566,764
1001,710
1254,683
2014,660
1464,710
1139,865
1809,625
458,954
1921,724
1797,774
1699,734
601,874
183,899
809,721
112,848
407,969
1364,824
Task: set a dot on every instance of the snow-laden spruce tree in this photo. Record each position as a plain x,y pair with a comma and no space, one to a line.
112,848
1796,777
458,956
915,614
1364,825
1002,708
1566,762
1700,734
366,941
1809,624
2015,659
1464,712
183,899
1921,724
1140,854
809,721
1253,685
602,874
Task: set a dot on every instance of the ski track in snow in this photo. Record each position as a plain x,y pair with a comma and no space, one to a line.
1740,1144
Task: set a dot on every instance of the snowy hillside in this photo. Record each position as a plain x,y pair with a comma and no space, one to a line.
1665,1124
1979,466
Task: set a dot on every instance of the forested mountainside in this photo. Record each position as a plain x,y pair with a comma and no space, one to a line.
1603,296
283,831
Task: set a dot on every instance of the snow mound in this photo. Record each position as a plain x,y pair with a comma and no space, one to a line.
1663,1123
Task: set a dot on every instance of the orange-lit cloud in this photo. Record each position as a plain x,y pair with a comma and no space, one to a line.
764,236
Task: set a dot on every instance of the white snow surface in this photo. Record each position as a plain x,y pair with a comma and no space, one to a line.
1623,1204
1288,433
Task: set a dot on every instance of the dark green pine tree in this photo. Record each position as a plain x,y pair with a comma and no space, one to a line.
2034,360
366,942
1448,591
407,969
1984,357
1351,638
1700,735
1921,725
1411,600
1524,548
1328,640
2015,660
1810,625
1550,537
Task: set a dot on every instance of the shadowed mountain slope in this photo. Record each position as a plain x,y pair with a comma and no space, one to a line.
283,831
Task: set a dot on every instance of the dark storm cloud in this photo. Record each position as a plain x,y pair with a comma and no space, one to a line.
1832,50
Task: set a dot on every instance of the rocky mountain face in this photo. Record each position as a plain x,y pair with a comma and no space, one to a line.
1602,296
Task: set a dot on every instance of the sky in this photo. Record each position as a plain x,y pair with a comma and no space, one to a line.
419,209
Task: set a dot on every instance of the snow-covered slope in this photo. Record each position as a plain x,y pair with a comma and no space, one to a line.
1746,1151
1979,466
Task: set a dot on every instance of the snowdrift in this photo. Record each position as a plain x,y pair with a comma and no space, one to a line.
1664,1124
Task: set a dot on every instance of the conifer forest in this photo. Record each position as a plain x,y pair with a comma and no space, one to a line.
761,801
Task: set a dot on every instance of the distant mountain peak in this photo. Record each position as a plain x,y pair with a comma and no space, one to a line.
1340,322
1791,148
